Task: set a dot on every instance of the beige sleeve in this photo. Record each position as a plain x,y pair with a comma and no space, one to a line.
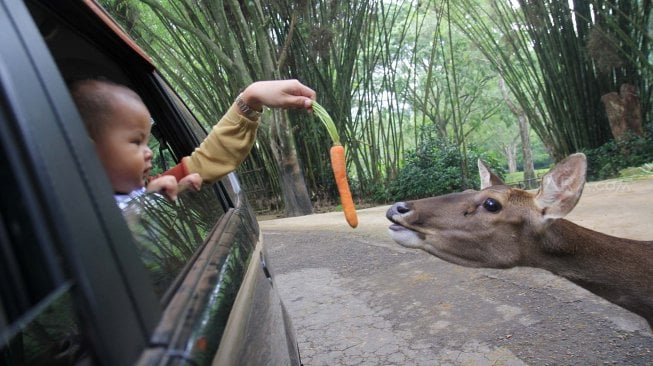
226,146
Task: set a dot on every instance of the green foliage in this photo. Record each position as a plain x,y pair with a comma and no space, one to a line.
637,172
632,151
434,168
559,59
516,177
384,69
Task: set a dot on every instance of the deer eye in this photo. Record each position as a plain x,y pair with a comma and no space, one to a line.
491,205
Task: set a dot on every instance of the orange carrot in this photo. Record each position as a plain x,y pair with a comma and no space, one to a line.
337,154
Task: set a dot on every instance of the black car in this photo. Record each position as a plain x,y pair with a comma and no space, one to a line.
83,282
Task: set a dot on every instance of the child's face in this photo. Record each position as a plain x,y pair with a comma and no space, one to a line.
122,145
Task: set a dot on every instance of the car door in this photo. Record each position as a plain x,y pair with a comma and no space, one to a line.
63,245
158,283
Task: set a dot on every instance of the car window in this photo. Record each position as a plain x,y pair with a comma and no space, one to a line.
38,323
48,334
163,158
168,234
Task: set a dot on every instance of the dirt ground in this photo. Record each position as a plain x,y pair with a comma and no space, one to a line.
357,298
617,207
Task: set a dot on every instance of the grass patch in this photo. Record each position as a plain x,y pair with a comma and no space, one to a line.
517,177
645,170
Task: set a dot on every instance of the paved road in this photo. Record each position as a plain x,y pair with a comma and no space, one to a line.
357,298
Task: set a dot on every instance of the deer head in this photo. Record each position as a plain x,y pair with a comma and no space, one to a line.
495,227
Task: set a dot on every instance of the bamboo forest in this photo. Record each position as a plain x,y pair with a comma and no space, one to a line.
419,90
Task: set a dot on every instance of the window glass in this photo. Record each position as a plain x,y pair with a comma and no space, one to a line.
168,234
163,158
38,325
48,334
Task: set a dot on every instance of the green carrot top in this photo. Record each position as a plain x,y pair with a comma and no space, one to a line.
327,121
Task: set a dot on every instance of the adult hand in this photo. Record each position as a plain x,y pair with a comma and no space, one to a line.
278,94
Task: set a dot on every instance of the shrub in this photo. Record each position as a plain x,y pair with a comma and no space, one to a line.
607,160
434,168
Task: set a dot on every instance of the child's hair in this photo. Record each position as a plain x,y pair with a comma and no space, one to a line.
94,100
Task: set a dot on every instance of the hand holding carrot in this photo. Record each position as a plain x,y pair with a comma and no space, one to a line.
278,94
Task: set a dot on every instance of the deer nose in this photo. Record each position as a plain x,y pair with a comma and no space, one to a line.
398,208
402,207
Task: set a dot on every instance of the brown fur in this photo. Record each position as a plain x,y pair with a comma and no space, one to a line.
528,230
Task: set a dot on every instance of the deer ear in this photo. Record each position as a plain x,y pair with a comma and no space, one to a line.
562,187
488,179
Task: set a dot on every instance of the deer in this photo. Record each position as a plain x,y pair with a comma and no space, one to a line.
503,227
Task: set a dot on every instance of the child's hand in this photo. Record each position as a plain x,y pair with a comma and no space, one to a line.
278,94
166,185
191,181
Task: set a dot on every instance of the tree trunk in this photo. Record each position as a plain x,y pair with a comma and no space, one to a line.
295,194
526,150
296,199
510,152
522,119
623,111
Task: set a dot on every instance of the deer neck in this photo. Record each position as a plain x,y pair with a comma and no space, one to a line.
573,251
618,269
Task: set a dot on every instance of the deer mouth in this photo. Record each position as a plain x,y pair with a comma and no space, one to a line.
396,227
401,234
406,237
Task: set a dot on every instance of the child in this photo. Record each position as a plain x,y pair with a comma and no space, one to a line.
119,124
